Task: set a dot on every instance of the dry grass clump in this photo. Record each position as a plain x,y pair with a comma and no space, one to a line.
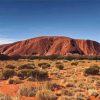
84,85
81,85
58,62
70,84
63,98
81,96
53,86
92,70
7,73
97,84
10,66
14,81
93,92
27,91
45,94
5,97
74,63
90,80
26,66
59,65
34,74
31,78
40,74
24,73
66,98
68,92
44,65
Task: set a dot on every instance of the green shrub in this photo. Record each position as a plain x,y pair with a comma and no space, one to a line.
26,66
45,94
44,65
27,91
7,73
92,70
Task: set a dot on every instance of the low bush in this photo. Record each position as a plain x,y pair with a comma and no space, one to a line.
74,63
26,66
92,70
68,92
40,74
35,74
52,86
27,91
45,94
7,73
58,63
44,65
81,96
5,97
65,98
10,67
60,66
97,83
14,81
31,78
93,92
24,73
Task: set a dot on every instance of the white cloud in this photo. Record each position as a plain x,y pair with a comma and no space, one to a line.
6,40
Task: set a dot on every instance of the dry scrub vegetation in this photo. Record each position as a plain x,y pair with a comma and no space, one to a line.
26,79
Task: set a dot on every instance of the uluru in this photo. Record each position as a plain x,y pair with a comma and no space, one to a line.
51,45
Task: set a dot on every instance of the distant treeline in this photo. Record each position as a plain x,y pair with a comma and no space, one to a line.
53,57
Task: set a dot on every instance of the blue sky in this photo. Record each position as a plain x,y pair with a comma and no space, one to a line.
22,19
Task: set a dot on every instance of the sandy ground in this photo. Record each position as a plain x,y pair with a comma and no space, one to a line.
13,89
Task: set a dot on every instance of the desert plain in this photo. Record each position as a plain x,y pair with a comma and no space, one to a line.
27,79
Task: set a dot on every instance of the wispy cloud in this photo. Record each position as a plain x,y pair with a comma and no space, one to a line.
6,40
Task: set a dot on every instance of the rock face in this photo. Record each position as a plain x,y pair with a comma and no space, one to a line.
51,45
